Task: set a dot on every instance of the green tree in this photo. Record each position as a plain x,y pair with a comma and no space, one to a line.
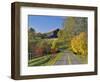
80,25
31,29
65,34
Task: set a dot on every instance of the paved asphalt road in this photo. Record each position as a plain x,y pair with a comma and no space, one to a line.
68,58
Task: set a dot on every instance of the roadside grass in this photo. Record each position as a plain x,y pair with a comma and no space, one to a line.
52,61
82,59
35,59
39,61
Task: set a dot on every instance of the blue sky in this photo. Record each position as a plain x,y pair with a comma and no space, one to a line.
45,23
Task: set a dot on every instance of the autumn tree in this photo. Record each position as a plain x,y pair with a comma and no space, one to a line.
79,44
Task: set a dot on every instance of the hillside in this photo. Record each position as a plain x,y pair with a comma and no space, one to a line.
52,34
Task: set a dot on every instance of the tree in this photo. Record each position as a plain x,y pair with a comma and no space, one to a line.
31,42
68,27
80,25
32,29
72,26
65,34
55,47
60,35
79,44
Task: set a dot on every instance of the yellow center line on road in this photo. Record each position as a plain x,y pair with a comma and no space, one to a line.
69,60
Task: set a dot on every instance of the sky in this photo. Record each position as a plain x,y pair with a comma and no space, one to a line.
45,23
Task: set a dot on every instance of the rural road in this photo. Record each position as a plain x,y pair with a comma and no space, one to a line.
68,58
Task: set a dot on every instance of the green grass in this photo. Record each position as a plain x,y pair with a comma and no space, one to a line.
83,59
38,61
52,61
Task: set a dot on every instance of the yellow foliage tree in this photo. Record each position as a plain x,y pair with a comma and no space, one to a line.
79,44
54,45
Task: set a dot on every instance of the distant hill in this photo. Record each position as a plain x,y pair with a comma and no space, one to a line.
52,34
